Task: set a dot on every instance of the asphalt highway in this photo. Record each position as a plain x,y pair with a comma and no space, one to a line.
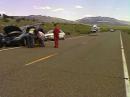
84,66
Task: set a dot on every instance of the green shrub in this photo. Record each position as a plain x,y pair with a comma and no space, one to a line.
125,29
73,29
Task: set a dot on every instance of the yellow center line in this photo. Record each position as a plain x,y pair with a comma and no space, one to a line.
41,59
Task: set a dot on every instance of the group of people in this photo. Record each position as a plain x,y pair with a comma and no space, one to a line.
39,34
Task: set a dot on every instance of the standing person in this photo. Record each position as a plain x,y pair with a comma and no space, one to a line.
56,35
30,38
41,36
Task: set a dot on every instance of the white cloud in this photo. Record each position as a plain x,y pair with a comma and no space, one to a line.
88,15
58,9
42,8
48,8
78,6
2,12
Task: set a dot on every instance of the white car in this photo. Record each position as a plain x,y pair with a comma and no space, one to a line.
95,29
112,30
50,35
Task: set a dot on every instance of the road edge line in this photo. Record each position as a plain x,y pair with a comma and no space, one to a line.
125,68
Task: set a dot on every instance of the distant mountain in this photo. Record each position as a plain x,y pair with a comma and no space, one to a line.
125,22
86,20
41,18
102,20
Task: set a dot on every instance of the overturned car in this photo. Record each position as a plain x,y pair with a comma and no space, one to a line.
13,36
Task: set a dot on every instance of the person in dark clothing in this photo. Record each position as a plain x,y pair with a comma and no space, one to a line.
30,37
56,35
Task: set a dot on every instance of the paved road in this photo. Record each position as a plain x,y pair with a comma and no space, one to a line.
87,66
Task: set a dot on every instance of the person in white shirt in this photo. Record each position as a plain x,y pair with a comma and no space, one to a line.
41,36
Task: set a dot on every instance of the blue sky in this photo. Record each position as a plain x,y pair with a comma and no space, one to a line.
68,9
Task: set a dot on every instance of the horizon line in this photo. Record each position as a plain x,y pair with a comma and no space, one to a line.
65,18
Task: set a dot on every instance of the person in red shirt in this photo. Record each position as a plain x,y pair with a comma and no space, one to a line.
56,35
